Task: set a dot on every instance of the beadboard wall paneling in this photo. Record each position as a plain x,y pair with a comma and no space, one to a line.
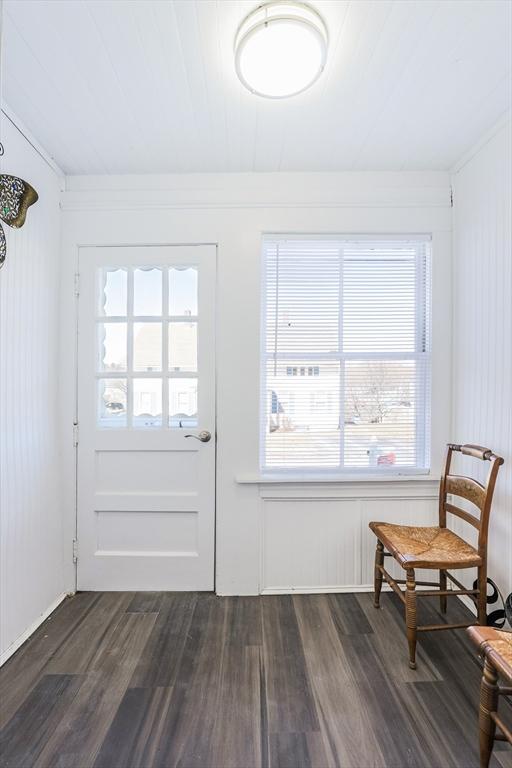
482,327
31,516
317,539
310,543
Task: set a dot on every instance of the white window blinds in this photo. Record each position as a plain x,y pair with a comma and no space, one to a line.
346,354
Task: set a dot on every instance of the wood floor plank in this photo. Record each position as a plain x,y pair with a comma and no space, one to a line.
24,737
78,738
436,702
318,755
26,667
453,655
90,635
289,750
348,615
187,738
242,696
133,737
391,723
215,713
244,621
388,624
239,735
342,708
502,756
290,701
145,602
158,665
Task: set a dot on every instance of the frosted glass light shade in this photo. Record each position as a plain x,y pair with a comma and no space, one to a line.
281,49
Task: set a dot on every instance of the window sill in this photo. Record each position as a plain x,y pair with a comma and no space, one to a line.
257,478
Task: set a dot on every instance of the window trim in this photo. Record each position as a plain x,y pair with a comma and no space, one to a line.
422,308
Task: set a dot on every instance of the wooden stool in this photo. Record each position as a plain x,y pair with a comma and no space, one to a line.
438,548
496,648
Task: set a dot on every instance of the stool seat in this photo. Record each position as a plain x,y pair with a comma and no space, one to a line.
426,547
496,645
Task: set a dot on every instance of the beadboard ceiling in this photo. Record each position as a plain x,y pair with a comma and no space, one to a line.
148,86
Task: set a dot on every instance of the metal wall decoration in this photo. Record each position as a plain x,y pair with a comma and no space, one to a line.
16,195
508,609
502,611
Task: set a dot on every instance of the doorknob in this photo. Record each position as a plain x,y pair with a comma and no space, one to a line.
203,436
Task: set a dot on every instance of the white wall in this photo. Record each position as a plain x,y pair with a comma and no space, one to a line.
31,521
270,537
482,325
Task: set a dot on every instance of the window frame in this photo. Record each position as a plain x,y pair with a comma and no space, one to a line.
423,337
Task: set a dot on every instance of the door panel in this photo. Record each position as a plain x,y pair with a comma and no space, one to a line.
146,389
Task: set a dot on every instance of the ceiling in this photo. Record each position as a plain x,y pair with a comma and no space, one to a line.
148,86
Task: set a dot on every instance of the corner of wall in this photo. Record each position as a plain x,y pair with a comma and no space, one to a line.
482,320
32,554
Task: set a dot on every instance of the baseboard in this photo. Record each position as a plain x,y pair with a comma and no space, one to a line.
31,629
321,590
342,589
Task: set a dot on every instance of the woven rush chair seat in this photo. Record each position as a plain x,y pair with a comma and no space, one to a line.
419,547
496,648
495,645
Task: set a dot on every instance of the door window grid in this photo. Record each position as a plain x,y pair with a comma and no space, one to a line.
116,381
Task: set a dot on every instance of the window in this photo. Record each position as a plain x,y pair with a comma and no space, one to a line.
346,354
146,335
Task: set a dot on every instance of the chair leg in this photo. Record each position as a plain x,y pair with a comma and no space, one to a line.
379,561
488,704
482,596
410,616
442,585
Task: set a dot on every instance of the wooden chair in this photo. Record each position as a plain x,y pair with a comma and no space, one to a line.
438,548
496,648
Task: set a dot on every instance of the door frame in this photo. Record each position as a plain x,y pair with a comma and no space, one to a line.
75,385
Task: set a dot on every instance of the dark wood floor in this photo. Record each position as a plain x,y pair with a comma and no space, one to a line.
118,680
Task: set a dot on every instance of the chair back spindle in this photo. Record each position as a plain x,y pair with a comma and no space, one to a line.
471,490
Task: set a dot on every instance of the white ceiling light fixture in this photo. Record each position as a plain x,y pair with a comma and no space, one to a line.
281,49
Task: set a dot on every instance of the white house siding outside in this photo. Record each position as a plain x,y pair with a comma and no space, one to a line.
360,413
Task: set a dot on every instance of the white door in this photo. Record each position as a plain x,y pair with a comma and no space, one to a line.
146,393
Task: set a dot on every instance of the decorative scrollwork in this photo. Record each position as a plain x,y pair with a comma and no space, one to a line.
498,616
16,196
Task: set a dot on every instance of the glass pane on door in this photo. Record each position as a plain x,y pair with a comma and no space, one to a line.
183,403
147,292
147,347
112,402
147,403
183,291
112,346
183,347
113,296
